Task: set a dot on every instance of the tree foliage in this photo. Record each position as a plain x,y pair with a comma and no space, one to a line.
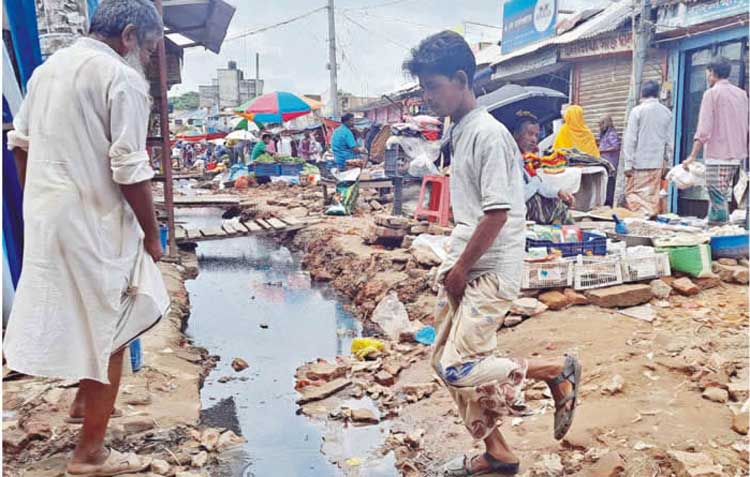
185,102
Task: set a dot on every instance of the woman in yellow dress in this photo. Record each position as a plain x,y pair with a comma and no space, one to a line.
575,134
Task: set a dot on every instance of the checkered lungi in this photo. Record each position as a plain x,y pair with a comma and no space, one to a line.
719,182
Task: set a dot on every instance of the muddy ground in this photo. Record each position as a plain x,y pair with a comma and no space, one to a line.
660,398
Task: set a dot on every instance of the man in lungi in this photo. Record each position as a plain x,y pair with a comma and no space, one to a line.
722,133
482,275
647,145
89,284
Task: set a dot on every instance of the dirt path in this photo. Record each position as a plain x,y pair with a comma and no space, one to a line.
648,388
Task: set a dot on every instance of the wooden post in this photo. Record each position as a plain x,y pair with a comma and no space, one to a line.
166,149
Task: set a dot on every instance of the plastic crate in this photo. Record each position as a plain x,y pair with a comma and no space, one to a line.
540,275
290,169
264,170
649,267
729,246
597,272
593,244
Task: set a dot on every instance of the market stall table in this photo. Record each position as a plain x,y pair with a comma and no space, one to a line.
588,185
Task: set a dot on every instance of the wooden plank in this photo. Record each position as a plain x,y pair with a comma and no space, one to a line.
252,227
231,229
213,232
290,220
277,224
263,224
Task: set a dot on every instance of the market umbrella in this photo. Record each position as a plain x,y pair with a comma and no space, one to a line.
276,107
504,103
243,123
241,135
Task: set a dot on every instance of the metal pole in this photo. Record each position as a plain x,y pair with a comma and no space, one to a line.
166,150
332,61
257,75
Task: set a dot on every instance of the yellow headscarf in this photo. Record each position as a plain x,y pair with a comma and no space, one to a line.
575,134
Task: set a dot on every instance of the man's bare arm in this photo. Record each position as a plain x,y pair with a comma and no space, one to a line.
142,202
21,158
481,240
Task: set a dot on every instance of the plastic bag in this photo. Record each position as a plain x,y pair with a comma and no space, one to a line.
421,154
363,347
437,244
682,179
391,316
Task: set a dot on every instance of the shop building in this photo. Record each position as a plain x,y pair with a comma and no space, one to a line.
691,33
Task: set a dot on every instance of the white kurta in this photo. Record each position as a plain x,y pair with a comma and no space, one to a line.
87,287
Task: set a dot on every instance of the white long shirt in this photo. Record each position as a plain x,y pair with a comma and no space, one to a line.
87,287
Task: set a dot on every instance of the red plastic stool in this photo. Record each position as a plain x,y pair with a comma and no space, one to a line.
439,208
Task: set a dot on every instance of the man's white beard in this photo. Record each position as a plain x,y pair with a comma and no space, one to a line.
133,58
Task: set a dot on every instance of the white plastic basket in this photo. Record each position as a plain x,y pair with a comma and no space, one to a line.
597,272
649,267
540,275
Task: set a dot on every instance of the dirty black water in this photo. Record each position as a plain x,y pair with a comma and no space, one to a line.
252,300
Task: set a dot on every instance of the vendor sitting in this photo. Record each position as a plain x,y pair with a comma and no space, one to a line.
545,204
261,147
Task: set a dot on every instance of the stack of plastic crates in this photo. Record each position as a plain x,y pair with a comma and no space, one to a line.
592,244
597,272
540,275
647,267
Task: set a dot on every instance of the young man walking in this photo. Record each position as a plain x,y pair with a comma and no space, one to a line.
482,275
722,134
647,144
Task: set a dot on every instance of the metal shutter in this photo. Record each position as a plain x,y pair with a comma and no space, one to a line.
604,85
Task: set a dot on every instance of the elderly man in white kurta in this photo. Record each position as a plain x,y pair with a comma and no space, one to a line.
89,284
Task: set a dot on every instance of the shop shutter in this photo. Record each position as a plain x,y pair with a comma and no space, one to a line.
604,85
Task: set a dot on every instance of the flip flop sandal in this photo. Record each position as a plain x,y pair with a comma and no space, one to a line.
117,463
79,420
461,467
564,415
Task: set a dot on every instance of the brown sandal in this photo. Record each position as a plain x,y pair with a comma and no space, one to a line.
116,463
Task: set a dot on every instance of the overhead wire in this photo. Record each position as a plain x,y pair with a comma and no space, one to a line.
275,25
385,38
377,5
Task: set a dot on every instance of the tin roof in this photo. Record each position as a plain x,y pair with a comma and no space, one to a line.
202,22
605,21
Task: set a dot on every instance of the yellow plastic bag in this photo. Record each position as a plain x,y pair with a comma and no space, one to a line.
363,347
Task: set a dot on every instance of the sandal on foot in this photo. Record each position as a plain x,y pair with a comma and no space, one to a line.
461,467
564,414
116,463
79,420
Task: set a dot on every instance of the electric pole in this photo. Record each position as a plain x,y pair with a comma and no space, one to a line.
643,33
257,75
332,61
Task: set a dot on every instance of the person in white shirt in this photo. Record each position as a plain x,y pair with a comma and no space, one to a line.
646,146
482,274
89,284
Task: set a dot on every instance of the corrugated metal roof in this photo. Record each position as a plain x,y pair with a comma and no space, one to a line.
606,21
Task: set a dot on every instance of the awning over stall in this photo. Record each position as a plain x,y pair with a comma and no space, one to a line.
201,22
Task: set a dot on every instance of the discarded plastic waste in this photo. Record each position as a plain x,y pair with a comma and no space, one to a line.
426,335
362,347
391,316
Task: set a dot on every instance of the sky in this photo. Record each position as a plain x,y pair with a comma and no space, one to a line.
373,39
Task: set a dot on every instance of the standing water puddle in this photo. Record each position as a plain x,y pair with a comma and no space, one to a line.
245,283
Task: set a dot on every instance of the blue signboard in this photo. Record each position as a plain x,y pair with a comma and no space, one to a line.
526,22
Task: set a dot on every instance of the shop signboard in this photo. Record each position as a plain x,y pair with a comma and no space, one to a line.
526,22
680,15
605,45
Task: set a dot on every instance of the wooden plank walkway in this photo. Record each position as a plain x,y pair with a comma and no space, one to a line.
202,201
230,229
